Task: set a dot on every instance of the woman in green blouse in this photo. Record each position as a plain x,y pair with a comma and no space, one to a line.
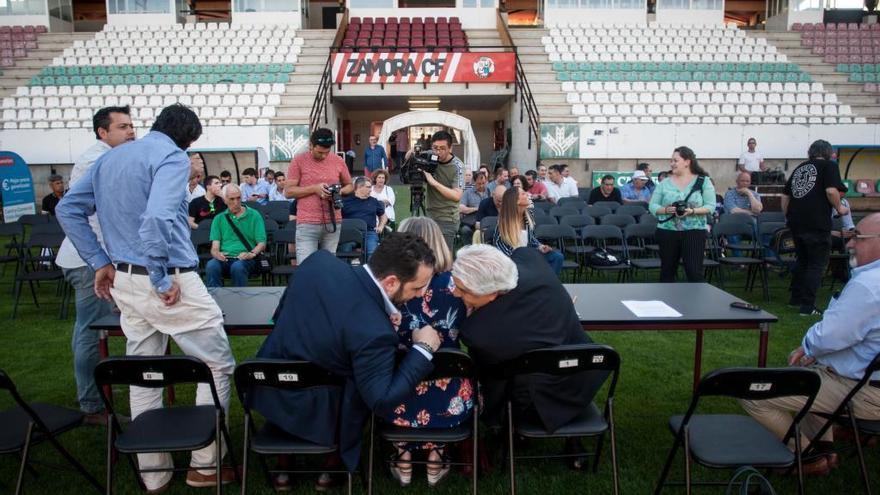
683,237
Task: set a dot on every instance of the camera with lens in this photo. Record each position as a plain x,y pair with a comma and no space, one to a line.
335,195
680,208
411,170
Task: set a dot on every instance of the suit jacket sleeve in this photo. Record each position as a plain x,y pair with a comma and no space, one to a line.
381,384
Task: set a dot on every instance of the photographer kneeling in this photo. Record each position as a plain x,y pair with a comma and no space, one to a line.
446,186
317,178
683,204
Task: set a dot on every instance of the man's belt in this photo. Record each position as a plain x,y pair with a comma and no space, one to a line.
142,270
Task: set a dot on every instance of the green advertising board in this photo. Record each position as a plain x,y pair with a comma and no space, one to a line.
621,177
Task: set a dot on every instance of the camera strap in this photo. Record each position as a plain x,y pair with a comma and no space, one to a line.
698,186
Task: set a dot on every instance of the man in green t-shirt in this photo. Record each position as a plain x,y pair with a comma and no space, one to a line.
446,186
230,255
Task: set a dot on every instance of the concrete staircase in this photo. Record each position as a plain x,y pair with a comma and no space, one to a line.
299,96
546,90
789,42
49,45
484,37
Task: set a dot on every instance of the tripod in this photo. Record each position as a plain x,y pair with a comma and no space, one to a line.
417,201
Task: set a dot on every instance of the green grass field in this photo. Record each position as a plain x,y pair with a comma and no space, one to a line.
655,383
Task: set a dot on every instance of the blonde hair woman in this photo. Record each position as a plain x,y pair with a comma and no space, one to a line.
516,228
437,403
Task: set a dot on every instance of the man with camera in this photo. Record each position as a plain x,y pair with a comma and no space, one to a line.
317,178
447,184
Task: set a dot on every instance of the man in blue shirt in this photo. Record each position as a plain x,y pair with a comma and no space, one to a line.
742,199
636,190
138,192
362,206
838,348
374,157
252,189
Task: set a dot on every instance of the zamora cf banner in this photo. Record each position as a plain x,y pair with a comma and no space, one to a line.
438,67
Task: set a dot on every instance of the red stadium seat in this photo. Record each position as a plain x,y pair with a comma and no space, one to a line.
797,26
41,29
354,20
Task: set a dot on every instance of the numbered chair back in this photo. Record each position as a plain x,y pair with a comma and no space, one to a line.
280,374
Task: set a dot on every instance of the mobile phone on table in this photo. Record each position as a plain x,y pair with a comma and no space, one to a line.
743,305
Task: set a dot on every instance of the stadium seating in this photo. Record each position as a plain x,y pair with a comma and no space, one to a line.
404,34
675,74
15,41
843,43
229,74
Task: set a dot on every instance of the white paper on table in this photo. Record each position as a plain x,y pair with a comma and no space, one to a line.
651,309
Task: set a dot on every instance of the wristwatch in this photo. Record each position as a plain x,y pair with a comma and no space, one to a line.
424,346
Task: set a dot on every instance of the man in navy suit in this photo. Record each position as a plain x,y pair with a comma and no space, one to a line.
339,317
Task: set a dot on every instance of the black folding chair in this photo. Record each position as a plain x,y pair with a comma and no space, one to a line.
487,228
13,234
611,205
633,210
279,212
30,424
167,429
546,220
354,231
448,363
270,439
572,202
562,211
561,361
596,211
730,441
561,237
603,237
843,415
749,245
38,268
282,255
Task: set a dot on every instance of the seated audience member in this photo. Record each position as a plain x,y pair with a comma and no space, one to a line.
384,193
636,190
557,186
605,192
838,348
566,174
253,190
364,207
502,178
542,173
225,178
230,255
513,172
468,179
340,318
646,168
194,188
276,190
489,207
662,176
516,228
741,199
536,188
268,178
517,305
56,183
207,205
439,403
485,169
470,204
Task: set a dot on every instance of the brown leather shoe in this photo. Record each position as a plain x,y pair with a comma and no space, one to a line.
845,434
817,467
95,419
196,479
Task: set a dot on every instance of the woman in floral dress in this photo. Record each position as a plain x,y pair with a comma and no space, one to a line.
442,403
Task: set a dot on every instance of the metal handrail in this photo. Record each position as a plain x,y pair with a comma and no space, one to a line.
325,89
522,89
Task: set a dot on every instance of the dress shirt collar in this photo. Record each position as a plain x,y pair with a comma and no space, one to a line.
390,308
874,265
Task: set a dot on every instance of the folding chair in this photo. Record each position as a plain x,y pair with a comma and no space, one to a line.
599,237
354,231
448,363
561,361
281,266
756,265
730,441
560,237
843,415
638,237
30,424
611,205
39,268
270,439
166,429
487,228
12,233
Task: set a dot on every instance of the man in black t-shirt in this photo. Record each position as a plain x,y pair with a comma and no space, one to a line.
605,192
56,183
811,192
207,206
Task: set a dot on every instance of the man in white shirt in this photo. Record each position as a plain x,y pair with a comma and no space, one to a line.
557,186
112,126
751,160
276,191
566,175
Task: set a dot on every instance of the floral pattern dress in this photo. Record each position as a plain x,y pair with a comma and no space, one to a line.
446,402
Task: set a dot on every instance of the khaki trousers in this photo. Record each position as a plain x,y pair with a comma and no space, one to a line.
196,325
776,414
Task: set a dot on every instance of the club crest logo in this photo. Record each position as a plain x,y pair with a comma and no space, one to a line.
484,67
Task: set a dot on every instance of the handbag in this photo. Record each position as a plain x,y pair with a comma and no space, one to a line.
261,261
750,476
601,257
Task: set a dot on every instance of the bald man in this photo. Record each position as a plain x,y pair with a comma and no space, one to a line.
231,254
838,348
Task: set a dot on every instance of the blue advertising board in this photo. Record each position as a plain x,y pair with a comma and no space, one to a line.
16,187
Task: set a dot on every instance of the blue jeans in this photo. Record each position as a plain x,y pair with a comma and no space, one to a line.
238,270
555,258
84,343
371,242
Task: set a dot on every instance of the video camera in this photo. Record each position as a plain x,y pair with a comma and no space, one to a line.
411,170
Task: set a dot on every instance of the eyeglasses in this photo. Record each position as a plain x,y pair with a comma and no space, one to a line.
860,237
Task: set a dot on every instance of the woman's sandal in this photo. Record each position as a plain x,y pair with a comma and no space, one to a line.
401,468
438,467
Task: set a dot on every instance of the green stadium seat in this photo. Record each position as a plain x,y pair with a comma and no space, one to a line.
726,76
665,67
779,77
791,77
145,79
624,66
179,69
199,78
282,78
617,76
158,78
125,70
117,80
598,66
172,79
61,81
185,79
89,80
113,70
856,77
638,66
571,66
36,81
287,68
712,77
102,80
877,186
652,66
563,76
755,67
869,77
699,76
704,66
631,76
131,79
558,66
845,68
138,70
765,77
153,69
75,81
717,67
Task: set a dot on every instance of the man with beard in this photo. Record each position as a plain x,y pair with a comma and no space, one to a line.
838,348
339,318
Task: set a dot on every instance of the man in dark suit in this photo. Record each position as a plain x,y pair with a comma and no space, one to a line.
338,317
517,304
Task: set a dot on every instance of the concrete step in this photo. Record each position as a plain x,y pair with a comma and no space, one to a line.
294,112
316,34
522,34
535,59
290,121
312,79
530,50
544,87
298,100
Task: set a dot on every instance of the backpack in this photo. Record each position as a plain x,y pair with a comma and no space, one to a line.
601,257
782,241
